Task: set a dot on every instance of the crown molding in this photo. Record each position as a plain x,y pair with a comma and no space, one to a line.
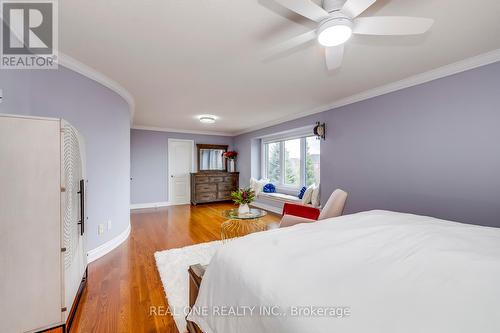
438,73
177,130
91,73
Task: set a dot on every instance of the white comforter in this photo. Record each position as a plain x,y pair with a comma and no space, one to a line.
387,272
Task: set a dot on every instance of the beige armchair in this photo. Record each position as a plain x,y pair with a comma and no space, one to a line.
334,207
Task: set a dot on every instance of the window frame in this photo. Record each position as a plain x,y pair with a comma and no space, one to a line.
281,186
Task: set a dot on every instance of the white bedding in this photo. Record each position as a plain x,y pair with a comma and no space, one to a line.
394,272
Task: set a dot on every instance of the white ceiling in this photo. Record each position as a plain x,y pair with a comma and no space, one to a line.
182,58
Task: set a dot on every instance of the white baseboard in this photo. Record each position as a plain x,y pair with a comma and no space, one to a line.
150,205
107,247
264,206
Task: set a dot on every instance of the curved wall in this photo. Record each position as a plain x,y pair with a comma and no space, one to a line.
102,117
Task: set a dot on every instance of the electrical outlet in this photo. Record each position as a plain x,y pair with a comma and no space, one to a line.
100,231
109,224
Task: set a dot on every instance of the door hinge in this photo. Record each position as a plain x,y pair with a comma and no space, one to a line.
63,249
63,309
63,189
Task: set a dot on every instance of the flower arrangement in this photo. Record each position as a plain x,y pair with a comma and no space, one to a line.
243,196
230,155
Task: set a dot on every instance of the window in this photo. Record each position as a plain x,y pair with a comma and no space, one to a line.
292,163
273,160
312,160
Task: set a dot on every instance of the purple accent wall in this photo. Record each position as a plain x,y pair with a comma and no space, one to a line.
431,149
149,162
102,117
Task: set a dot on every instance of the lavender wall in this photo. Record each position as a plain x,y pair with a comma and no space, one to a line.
431,149
103,119
149,164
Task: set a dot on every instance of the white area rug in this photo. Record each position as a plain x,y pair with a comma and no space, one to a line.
173,268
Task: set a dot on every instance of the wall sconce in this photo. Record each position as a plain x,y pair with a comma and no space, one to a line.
320,130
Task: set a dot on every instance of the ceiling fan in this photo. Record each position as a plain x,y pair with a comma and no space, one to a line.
338,20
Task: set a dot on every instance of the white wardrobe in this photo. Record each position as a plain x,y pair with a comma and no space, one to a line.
42,223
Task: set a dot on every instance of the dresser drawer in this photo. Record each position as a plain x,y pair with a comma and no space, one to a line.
230,179
201,179
226,187
216,179
213,186
206,196
225,195
206,188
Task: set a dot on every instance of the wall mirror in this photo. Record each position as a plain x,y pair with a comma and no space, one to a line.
210,157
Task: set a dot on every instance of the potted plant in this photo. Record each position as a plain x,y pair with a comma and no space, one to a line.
243,197
230,156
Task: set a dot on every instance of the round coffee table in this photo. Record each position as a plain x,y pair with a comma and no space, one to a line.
239,225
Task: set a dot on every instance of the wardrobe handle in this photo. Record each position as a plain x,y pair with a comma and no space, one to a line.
81,222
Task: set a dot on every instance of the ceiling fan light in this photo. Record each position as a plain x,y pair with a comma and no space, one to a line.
334,32
207,119
336,35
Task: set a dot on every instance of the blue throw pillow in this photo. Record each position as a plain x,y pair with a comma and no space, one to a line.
269,188
301,192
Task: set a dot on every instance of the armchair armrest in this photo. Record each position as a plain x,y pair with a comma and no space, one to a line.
301,211
289,220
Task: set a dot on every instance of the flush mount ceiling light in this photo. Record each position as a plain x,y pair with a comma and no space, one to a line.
339,19
207,119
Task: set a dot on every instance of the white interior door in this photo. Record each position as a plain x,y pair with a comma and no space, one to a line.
180,164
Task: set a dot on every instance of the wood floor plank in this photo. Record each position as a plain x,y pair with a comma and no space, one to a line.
124,284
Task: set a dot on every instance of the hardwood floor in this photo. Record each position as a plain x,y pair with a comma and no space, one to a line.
124,284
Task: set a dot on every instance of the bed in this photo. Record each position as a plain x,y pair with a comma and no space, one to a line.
375,271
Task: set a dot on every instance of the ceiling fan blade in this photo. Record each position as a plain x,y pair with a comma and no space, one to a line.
392,25
291,43
354,8
305,8
334,56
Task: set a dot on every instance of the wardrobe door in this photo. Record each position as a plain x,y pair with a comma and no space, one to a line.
73,219
30,245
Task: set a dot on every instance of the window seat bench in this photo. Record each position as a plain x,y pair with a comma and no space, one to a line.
274,202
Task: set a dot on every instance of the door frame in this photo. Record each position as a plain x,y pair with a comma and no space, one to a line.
169,167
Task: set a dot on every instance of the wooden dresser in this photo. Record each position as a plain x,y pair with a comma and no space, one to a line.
211,186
